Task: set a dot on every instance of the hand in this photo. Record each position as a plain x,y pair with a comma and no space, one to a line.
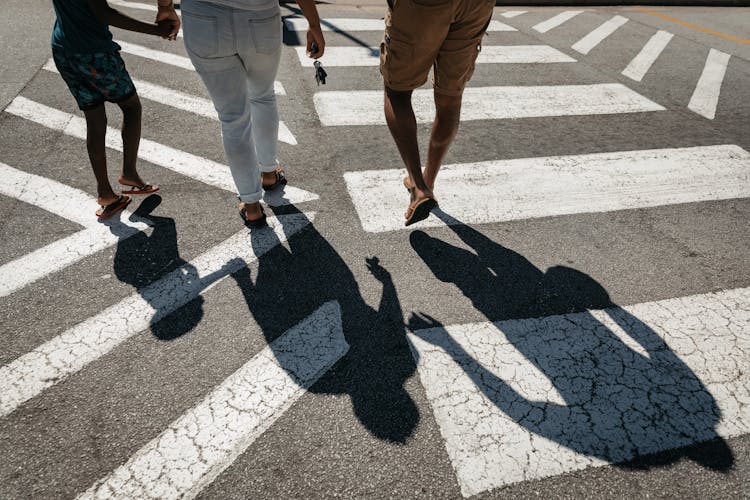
164,29
378,271
315,35
169,17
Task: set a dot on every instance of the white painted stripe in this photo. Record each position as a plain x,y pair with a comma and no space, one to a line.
497,191
66,202
587,43
490,54
487,384
556,21
172,60
135,5
513,13
203,442
185,102
66,354
706,94
362,24
641,63
156,55
195,167
337,108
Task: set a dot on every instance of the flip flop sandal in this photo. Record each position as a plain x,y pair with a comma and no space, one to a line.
145,189
107,211
280,180
255,223
420,210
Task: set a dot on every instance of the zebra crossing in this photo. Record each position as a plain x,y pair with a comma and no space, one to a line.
504,394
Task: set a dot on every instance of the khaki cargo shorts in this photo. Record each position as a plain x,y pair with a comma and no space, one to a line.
443,34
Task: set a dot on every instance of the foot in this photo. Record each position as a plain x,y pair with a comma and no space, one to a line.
252,214
137,185
109,209
421,204
274,179
107,199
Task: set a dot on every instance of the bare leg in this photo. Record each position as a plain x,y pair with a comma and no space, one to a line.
96,128
131,138
402,123
444,129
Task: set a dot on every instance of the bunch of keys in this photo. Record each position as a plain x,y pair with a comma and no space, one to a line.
320,73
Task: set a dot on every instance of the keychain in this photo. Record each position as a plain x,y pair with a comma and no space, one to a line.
320,73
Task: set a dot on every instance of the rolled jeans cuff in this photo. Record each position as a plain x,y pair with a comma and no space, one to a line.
251,197
269,168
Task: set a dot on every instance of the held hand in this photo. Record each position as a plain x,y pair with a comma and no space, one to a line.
169,17
315,36
164,29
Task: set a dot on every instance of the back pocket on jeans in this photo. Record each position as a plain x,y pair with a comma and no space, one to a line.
266,34
201,34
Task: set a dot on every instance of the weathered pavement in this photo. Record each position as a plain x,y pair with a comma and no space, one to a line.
573,322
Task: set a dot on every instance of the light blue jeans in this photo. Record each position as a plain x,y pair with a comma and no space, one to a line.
237,56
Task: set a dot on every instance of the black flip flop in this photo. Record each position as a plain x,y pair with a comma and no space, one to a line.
280,181
255,223
420,210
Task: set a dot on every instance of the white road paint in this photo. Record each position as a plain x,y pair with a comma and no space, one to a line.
69,203
706,94
504,190
521,400
556,21
172,60
135,5
203,442
184,102
513,13
587,43
490,54
343,25
337,108
66,354
641,63
195,167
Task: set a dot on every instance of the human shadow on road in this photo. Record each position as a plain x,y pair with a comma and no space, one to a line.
619,403
142,260
292,283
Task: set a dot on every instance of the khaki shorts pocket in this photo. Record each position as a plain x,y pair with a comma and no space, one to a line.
398,67
201,34
266,34
431,3
455,64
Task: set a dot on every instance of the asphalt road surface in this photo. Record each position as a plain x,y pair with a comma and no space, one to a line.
574,321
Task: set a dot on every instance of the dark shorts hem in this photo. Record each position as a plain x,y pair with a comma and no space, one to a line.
124,97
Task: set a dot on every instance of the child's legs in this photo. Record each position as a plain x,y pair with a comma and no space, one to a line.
96,129
131,136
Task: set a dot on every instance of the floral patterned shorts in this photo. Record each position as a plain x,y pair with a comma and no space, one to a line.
95,78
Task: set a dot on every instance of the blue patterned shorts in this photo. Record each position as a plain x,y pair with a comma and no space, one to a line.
95,78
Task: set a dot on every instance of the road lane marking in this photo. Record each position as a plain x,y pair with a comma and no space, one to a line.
338,108
487,384
198,168
69,203
505,190
184,102
641,63
490,54
203,442
55,360
694,26
173,60
587,43
556,21
343,25
513,13
706,94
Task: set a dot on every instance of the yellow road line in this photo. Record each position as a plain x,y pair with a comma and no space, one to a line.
694,26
